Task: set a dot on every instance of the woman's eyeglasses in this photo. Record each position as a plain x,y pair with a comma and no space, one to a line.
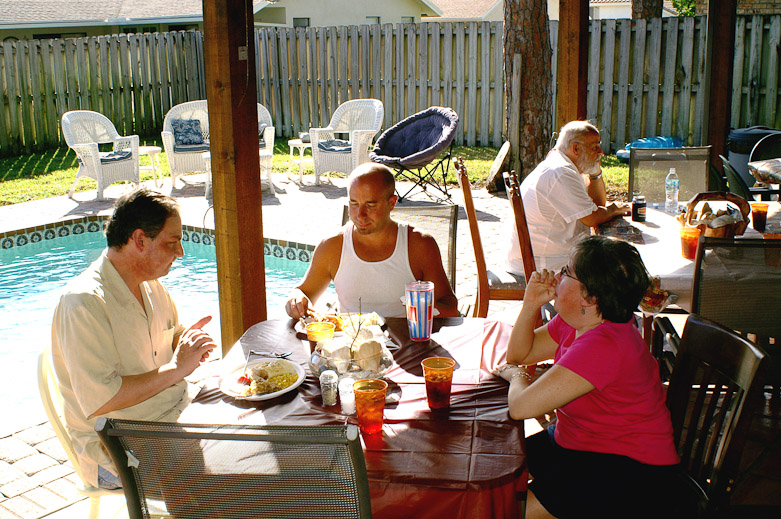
565,272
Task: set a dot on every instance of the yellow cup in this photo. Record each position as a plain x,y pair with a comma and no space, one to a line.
316,332
689,238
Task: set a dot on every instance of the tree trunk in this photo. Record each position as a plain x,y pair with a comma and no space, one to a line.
646,9
527,82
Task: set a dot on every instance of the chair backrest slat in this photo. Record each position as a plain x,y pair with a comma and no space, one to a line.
648,167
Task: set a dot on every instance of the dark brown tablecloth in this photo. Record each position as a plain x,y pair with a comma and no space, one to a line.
467,461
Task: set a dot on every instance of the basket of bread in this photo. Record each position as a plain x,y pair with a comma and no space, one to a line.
727,220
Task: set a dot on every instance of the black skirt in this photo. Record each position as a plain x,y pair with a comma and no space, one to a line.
571,483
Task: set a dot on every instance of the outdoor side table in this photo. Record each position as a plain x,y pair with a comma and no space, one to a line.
151,152
298,144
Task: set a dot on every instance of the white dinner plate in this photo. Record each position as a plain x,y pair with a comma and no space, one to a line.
230,385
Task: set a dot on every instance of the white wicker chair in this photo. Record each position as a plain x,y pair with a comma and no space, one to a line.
83,130
188,158
361,119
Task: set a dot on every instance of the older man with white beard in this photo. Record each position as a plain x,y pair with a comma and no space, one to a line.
563,197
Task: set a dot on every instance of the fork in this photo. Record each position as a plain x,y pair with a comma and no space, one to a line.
266,354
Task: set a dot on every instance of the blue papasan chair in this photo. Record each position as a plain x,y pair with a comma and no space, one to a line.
412,148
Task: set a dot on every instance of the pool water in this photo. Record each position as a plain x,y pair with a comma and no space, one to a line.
32,278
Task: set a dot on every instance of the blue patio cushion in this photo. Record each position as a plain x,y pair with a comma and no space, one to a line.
112,156
305,137
187,131
335,146
417,140
191,148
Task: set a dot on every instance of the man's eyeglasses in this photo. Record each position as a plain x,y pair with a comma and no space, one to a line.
565,272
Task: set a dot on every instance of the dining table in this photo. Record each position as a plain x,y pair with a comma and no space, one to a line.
658,241
464,461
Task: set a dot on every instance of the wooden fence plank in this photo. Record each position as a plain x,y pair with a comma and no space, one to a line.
333,71
49,94
737,72
324,75
668,90
497,93
364,62
127,91
485,79
472,86
754,57
436,80
412,40
25,111
154,78
387,73
5,103
136,79
638,65
447,68
95,100
605,127
376,61
625,39
71,81
771,90
36,93
82,79
460,84
354,71
422,74
314,79
592,101
700,94
344,73
295,86
284,83
304,80
400,70
276,82
684,96
654,56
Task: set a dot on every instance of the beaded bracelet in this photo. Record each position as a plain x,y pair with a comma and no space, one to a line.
521,373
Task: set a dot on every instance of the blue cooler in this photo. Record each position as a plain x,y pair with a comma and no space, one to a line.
740,142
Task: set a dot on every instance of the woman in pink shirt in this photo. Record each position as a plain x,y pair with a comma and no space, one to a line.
611,452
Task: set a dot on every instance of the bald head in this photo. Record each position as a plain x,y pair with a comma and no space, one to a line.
377,174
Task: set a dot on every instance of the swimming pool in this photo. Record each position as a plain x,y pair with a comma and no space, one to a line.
36,265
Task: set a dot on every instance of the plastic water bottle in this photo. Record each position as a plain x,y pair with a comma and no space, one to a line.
671,186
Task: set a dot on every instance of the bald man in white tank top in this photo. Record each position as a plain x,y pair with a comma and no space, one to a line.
373,257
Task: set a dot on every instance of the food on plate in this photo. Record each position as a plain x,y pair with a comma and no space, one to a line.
267,376
655,297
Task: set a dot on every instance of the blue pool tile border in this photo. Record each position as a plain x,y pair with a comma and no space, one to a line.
290,250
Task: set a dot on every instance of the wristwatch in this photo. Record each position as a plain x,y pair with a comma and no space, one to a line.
595,177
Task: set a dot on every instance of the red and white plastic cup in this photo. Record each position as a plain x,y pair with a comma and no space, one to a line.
420,309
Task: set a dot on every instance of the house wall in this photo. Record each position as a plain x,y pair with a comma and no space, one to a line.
747,7
80,31
342,12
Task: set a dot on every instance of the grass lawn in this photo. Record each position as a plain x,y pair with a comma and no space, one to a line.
51,173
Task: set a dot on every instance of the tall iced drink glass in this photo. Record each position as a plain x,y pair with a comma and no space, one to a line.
438,372
420,309
370,404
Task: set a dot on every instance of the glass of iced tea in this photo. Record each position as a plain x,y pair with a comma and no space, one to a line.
689,238
438,372
370,404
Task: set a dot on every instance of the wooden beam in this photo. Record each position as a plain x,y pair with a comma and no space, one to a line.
721,51
572,76
229,56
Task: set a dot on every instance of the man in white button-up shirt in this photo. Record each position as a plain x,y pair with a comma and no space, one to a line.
563,197
117,345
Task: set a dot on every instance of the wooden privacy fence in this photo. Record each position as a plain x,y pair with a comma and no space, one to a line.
132,79
645,77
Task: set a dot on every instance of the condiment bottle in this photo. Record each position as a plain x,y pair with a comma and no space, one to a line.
328,385
346,395
638,208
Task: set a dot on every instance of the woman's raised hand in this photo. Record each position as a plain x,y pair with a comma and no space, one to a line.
541,287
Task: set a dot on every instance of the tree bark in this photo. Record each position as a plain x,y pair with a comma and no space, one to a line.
527,80
646,9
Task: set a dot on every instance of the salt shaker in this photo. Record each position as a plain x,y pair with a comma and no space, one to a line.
328,385
346,395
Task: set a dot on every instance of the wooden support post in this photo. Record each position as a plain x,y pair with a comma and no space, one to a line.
722,16
233,126
572,76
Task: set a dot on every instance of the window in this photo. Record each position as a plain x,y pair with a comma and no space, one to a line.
372,19
407,19
138,30
55,36
300,22
183,27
